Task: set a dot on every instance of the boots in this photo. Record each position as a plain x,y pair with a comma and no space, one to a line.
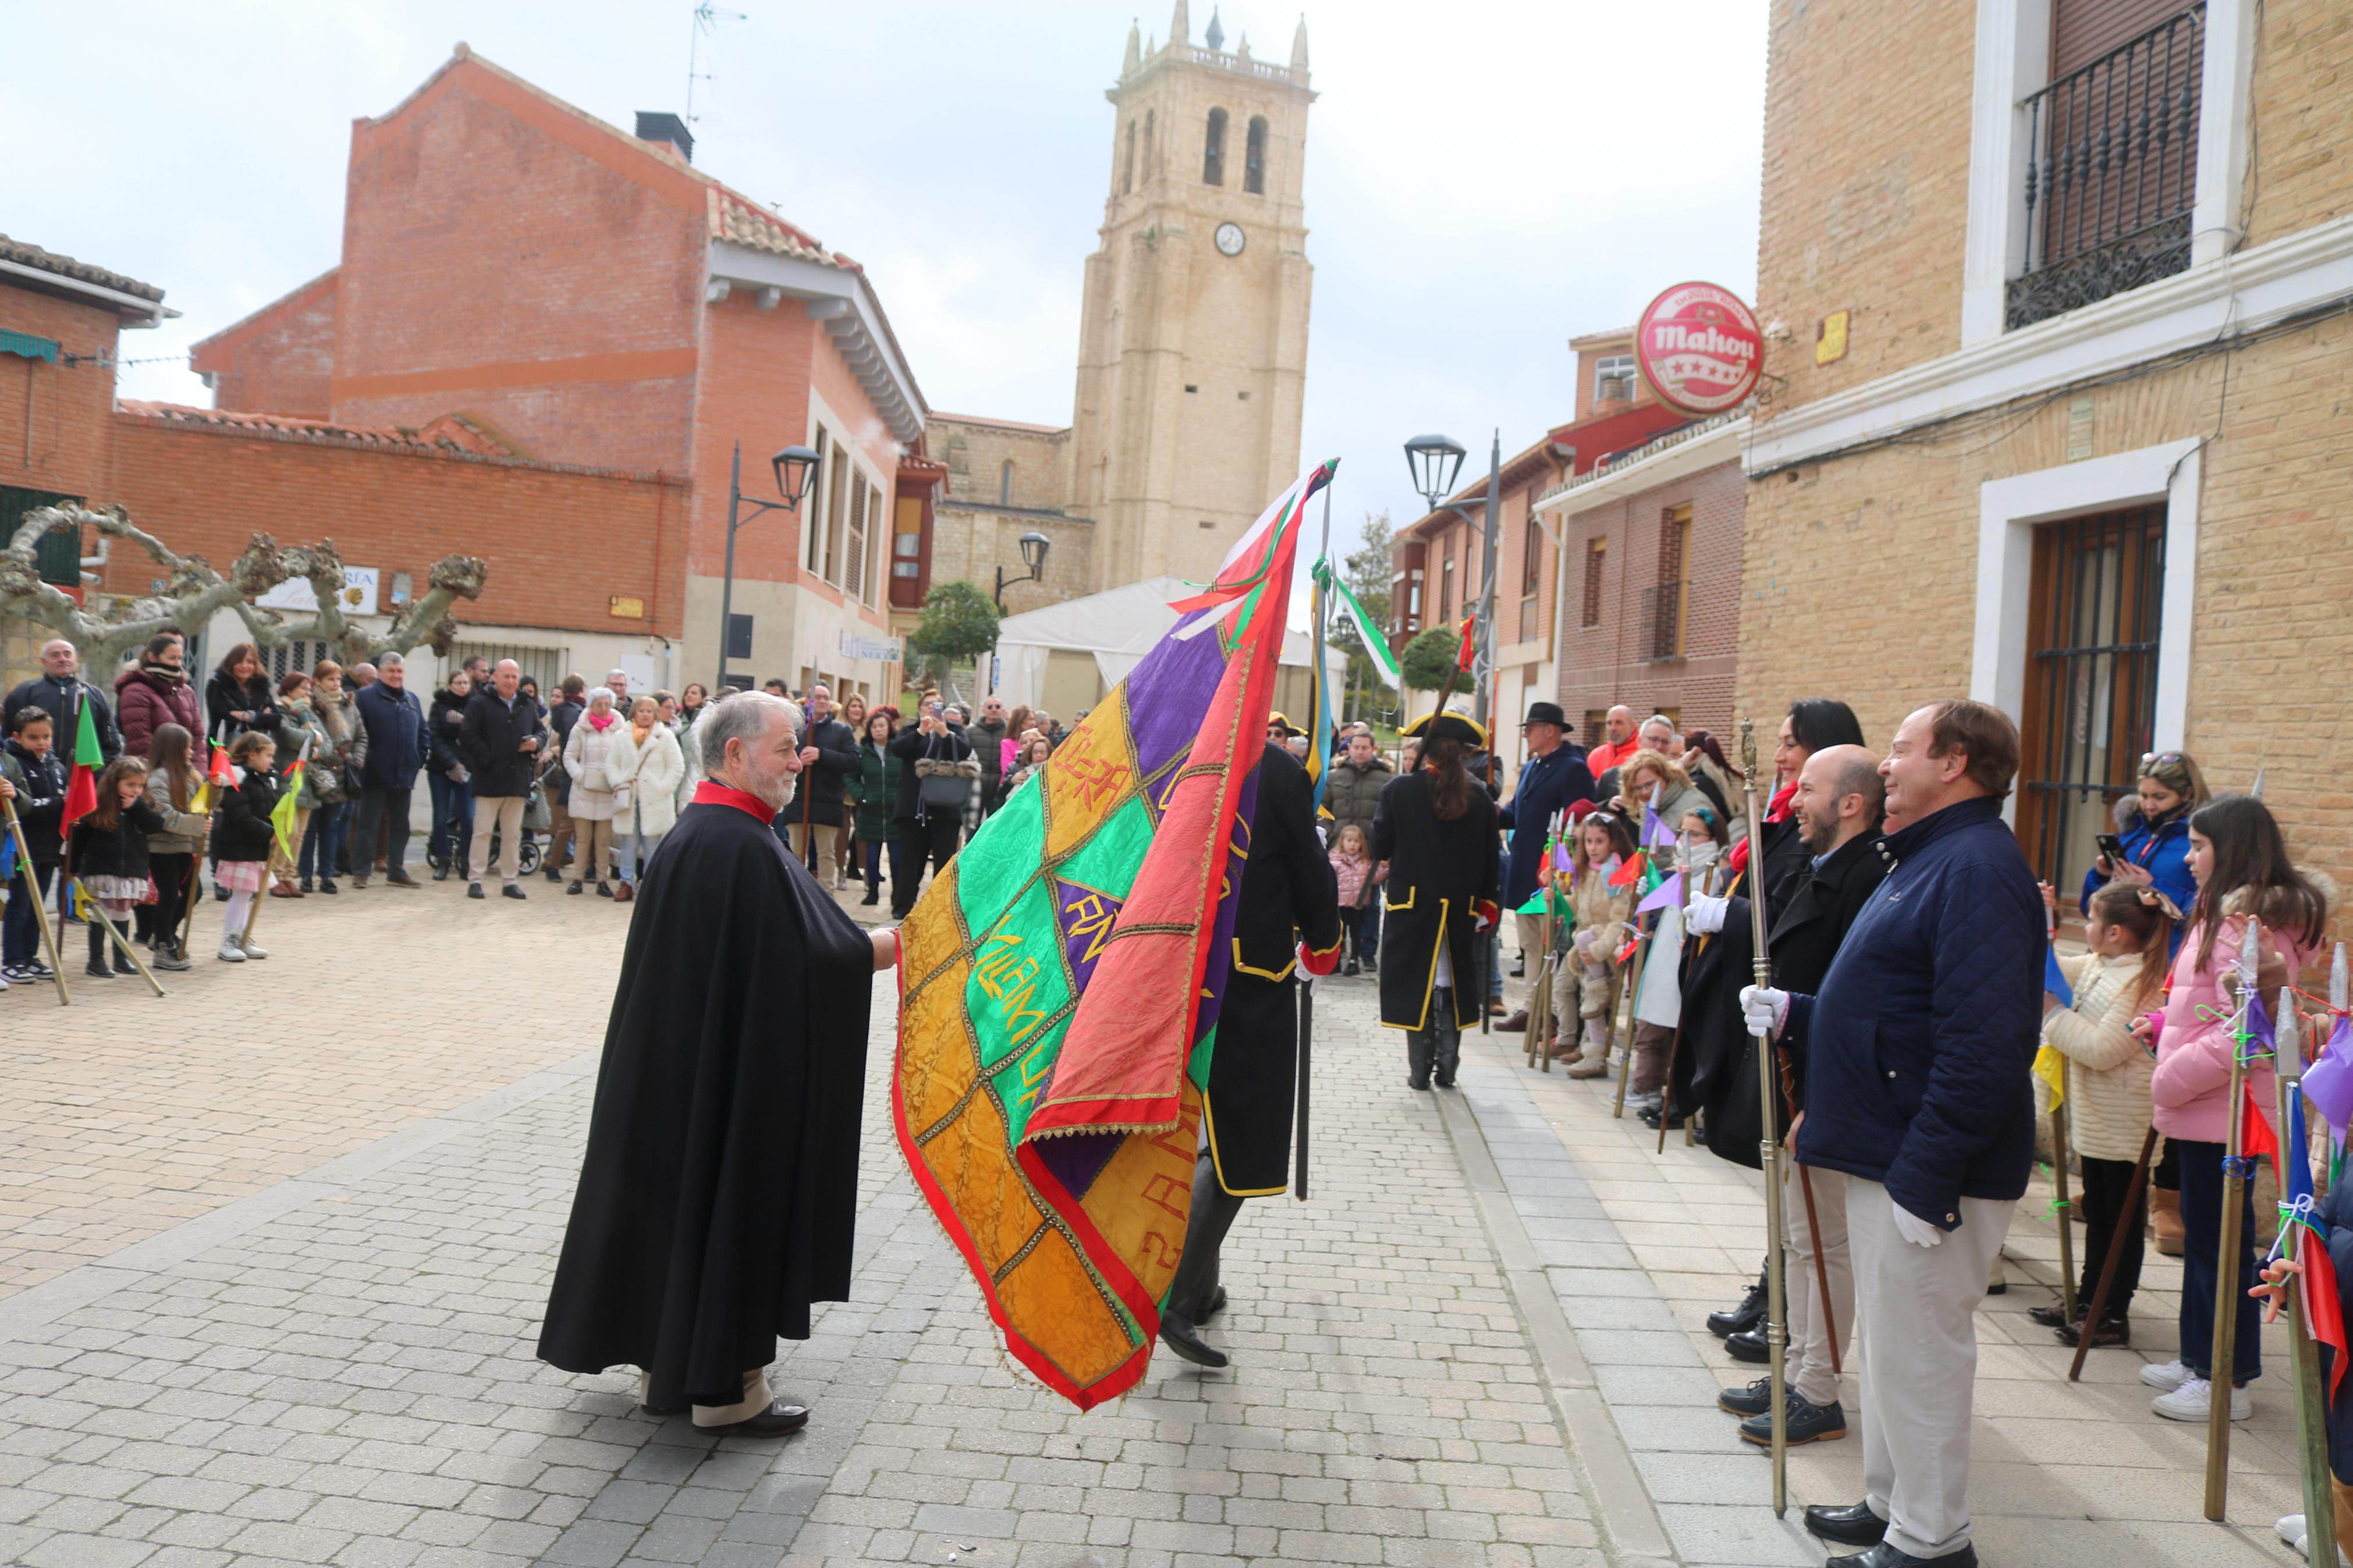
1420,1047
97,968
2165,1219
1596,1059
1450,1052
168,954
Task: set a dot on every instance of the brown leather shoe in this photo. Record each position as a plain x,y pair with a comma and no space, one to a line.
777,1421
1516,1024
624,893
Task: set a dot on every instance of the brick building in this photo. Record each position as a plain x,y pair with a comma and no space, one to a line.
1439,560
2062,431
529,289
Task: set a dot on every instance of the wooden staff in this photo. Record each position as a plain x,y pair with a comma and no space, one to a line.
2131,1218
253,910
1634,1003
196,861
2061,1207
122,944
2226,1279
1776,1320
33,892
2311,1392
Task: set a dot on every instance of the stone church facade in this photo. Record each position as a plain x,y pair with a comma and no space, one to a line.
1192,346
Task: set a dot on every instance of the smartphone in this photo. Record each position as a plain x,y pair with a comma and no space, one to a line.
2111,847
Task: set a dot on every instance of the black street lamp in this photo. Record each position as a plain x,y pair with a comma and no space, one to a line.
1033,556
795,469
1434,462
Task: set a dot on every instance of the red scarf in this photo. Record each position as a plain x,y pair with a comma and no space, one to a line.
1778,811
710,793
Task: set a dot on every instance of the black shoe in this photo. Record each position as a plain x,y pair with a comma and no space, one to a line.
474,890
326,885
513,892
1754,1400
1741,1318
1179,1336
2051,1317
2001,1289
1519,969
441,872
1353,968
776,1421
1216,1305
872,898
573,891
1419,1083
97,970
554,874
1852,1525
2111,1331
1674,1122
604,889
122,964
1886,1556
1371,967
1749,1346
1807,1422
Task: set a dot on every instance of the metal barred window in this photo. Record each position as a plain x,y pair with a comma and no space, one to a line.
2091,696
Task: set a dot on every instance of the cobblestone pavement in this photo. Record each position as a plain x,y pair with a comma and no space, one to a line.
1478,1343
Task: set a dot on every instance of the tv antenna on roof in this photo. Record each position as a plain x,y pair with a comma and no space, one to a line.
707,18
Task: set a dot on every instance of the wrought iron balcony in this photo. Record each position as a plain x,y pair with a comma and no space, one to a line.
2111,172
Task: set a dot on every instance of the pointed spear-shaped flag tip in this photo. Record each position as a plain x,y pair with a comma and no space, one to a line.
2340,982
2257,791
2287,1040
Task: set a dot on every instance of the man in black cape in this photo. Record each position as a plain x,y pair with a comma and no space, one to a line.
1287,913
718,1195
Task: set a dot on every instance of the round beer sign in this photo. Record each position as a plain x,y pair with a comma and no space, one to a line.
1699,349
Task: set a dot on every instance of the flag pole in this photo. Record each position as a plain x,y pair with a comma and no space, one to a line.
1301,1073
2311,1392
121,944
203,842
2062,1208
33,892
1776,1329
2221,1369
253,912
2132,1219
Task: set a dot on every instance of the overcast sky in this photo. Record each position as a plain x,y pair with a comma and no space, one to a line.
1485,179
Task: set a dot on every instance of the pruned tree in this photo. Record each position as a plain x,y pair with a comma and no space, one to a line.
1430,658
193,592
958,625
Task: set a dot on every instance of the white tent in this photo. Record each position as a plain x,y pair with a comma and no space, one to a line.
1066,656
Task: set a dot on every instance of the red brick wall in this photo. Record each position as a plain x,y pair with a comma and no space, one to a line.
54,424
559,544
504,257
280,359
1604,664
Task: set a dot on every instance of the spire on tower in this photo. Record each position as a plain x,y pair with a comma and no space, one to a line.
1299,46
1216,34
1135,51
1180,26
1242,48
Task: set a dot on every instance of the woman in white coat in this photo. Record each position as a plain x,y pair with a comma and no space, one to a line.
650,764
590,757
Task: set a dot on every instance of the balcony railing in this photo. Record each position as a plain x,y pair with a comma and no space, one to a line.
1662,631
2111,172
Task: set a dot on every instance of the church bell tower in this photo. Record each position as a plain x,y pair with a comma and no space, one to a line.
1193,341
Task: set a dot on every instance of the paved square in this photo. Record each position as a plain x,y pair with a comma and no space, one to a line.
280,1245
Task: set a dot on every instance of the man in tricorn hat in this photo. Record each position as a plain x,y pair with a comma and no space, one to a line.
1286,917
1436,828
1553,776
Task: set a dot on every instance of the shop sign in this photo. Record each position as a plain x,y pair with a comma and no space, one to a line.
1699,349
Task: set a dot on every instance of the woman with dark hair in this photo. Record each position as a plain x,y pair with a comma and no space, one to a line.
236,699
2244,873
447,776
1714,778
1816,724
1437,829
154,692
875,789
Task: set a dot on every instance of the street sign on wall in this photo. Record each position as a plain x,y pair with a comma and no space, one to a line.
1699,349
855,645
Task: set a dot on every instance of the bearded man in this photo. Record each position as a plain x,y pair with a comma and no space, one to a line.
718,1195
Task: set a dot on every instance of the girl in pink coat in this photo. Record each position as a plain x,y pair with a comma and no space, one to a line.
2242,865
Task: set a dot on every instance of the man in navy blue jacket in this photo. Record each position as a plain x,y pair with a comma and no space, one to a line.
1554,775
1918,1048
397,741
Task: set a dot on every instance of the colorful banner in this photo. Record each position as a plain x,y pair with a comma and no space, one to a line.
1061,982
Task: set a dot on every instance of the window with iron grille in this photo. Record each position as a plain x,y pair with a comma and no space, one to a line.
57,555
2112,154
544,665
1597,557
1662,603
2092,616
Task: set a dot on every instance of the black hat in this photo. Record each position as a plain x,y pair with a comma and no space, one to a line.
1446,727
1545,713
1277,722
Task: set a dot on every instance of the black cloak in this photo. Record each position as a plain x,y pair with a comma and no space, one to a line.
1438,872
719,1192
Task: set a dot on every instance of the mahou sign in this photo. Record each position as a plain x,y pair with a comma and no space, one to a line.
1699,348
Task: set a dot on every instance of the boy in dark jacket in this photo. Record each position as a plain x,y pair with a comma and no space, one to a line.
36,781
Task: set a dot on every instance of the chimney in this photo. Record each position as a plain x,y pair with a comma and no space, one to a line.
666,129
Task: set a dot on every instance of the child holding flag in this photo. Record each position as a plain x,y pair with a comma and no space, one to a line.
36,786
109,844
1605,842
242,831
2102,1075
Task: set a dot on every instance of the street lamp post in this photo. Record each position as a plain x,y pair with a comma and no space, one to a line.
795,468
1434,462
1033,556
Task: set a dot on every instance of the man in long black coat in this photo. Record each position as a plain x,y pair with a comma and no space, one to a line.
718,1195
1286,914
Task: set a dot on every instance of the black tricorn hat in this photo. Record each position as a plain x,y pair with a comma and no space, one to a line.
1544,714
1277,722
1446,727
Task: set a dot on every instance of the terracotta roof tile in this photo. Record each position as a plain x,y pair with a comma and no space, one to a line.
33,255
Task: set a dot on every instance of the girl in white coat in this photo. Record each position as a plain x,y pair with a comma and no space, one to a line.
646,761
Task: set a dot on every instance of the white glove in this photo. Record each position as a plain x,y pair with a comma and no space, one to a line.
1583,942
1915,1229
1706,916
1764,1008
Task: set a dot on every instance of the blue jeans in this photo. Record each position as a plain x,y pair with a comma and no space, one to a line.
453,817
632,850
873,857
21,942
324,839
2201,1244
